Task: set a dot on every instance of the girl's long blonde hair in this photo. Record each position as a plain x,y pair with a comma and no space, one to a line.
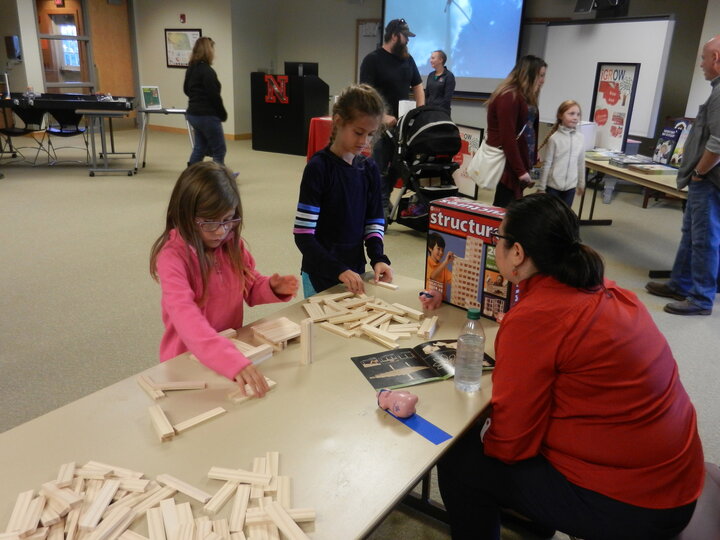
562,109
204,190
203,51
522,79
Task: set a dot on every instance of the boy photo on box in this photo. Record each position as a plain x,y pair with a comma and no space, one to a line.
437,274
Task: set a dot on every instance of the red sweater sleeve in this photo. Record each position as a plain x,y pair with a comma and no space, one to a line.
510,116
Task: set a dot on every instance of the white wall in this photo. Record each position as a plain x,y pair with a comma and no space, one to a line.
151,20
700,88
9,26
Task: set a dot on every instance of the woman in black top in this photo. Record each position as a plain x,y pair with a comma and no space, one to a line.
205,110
440,83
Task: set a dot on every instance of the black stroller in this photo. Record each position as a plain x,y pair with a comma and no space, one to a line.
425,142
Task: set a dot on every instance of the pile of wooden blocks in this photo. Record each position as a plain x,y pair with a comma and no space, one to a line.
101,502
350,315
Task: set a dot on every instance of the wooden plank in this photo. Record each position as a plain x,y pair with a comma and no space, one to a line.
155,524
239,475
184,488
134,485
284,491
50,517
239,508
259,467
237,397
336,330
146,384
199,419
113,525
299,515
180,385
410,312
386,285
284,522
387,309
371,330
272,466
307,336
160,423
31,519
117,471
221,528
65,475
168,511
386,343
91,518
349,317
222,496
163,493
22,502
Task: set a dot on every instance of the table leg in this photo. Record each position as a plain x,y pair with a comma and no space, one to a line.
592,182
92,144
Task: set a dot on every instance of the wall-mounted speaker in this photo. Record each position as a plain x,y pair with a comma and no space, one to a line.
12,48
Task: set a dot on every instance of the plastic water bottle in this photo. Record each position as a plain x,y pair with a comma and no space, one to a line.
470,350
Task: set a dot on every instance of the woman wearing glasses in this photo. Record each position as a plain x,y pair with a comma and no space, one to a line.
206,274
591,431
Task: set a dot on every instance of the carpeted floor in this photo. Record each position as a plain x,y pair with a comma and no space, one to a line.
80,310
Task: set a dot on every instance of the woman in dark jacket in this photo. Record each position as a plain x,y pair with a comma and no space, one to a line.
440,82
205,110
512,124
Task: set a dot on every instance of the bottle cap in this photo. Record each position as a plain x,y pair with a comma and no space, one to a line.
473,314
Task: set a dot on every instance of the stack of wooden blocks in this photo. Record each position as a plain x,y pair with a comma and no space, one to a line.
101,502
350,315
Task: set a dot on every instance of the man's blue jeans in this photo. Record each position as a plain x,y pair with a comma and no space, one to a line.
209,139
695,272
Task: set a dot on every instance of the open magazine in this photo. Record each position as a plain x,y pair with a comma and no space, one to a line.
398,368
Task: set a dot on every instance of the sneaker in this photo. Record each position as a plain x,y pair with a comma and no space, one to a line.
662,289
686,308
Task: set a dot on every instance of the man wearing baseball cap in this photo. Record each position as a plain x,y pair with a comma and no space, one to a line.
393,73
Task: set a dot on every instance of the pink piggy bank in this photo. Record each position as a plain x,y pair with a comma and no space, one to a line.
400,403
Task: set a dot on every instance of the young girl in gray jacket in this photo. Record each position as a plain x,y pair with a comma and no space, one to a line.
563,172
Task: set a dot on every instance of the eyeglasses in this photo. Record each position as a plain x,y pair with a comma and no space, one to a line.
212,226
494,238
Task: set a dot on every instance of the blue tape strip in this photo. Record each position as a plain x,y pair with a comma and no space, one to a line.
427,429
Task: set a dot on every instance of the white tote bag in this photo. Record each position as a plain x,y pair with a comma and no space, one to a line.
488,163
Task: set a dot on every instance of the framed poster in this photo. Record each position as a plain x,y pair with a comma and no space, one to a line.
470,142
179,45
612,103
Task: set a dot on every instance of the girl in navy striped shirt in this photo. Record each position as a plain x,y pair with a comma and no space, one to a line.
339,214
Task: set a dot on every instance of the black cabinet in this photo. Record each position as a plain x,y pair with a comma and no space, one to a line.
282,106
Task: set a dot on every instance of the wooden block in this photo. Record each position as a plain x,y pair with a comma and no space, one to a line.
113,525
184,488
146,384
279,346
132,535
237,397
180,385
40,533
160,422
228,333
299,515
277,330
31,519
384,317
221,528
89,473
91,518
239,508
238,475
212,536
386,343
386,285
259,467
272,466
400,319
428,327
284,522
155,524
168,511
22,502
134,485
256,353
351,303
203,527
284,491
403,328
222,496
336,330
56,531
71,524
384,326
134,499
313,310
185,515
60,500
114,469
349,317
50,517
371,330
387,309
161,494
307,336
373,317
185,531
410,312
65,475
199,419
319,298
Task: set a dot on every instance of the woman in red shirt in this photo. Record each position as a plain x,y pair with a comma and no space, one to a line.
591,431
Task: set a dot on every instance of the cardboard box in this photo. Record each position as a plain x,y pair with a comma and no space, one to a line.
460,256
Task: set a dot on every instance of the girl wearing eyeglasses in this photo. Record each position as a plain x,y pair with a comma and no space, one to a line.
206,274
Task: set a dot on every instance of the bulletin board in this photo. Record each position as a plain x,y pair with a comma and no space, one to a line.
612,104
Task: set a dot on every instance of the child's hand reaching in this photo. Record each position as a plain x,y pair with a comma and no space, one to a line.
383,272
353,281
284,285
254,379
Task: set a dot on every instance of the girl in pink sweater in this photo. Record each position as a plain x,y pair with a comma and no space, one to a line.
206,274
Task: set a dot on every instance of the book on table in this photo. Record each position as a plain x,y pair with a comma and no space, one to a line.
677,155
653,168
427,362
666,144
601,154
624,161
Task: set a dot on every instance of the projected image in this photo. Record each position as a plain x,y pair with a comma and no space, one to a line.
480,37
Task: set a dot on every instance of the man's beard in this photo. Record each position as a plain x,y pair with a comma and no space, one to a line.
400,49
